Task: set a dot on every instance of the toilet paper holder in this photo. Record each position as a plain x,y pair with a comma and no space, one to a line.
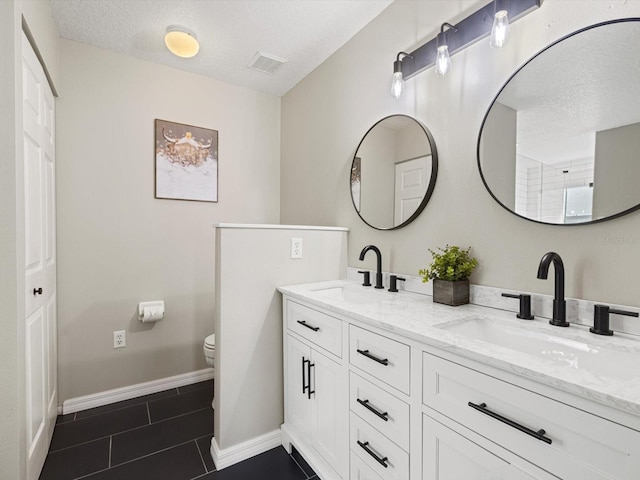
151,311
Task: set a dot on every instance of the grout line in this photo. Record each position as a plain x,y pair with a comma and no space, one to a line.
125,406
110,445
74,416
128,430
299,466
206,470
148,413
145,456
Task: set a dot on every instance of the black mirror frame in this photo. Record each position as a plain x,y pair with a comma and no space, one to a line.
484,181
432,180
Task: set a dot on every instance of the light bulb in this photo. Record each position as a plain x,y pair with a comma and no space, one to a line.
443,60
500,31
397,85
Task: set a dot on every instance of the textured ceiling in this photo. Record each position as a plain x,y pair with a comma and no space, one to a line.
230,32
584,84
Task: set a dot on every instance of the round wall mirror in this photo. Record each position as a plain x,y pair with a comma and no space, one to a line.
393,172
560,143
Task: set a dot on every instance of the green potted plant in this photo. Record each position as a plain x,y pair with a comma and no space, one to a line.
450,271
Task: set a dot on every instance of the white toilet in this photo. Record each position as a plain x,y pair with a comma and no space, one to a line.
209,348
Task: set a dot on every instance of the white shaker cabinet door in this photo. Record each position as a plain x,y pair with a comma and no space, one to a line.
448,455
329,430
298,411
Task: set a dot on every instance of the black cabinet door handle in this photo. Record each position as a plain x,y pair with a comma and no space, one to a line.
535,434
309,391
305,324
365,403
366,353
37,291
381,461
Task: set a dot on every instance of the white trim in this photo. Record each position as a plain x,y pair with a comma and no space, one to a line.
125,393
237,453
265,226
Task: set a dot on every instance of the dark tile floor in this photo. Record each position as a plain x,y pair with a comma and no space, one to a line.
163,436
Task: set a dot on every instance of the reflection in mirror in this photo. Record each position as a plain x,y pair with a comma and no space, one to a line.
393,172
561,141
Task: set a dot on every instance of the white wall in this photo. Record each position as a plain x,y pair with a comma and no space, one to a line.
616,187
499,153
117,245
250,264
12,353
336,104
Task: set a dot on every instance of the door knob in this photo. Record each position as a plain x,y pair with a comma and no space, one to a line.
37,291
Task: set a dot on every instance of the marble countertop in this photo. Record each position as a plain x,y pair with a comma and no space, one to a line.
603,369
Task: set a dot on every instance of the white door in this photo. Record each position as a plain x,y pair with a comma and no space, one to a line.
412,180
40,260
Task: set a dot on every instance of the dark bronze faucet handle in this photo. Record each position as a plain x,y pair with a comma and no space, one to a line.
367,278
393,282
525,305
601,318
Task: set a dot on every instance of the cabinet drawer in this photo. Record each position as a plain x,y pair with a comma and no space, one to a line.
379,453
319,328
582,446
386,413
381,357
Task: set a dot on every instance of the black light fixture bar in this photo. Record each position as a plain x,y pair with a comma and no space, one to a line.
473,28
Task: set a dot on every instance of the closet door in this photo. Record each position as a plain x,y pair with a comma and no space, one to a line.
40,259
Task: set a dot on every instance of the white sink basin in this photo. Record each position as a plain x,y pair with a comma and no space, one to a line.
553,347
349,293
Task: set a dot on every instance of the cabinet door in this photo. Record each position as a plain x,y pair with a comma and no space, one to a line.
447,455
329,421
298,411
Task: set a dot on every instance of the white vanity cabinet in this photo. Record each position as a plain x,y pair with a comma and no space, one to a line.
365,403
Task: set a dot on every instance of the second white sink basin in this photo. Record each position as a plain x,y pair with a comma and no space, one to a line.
553,347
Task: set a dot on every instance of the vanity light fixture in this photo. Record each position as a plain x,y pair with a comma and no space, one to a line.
476,26
443,60
181,41
397,84
500,33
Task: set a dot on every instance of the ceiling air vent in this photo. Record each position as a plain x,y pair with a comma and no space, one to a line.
266,63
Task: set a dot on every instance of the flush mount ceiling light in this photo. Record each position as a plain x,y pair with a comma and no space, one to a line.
491,19
181,42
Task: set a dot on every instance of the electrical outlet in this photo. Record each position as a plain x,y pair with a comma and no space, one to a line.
119,339
296,248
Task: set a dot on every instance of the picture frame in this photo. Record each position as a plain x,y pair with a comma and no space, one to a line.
186,162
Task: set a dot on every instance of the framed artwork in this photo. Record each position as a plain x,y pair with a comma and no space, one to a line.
186,162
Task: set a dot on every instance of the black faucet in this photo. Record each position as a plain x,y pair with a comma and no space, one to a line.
559,303
378,263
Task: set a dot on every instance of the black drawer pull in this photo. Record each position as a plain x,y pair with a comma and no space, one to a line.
366,353
305,324
538,435
365,404
381,461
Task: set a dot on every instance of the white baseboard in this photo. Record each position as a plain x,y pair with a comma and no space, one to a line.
125,393
237,453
